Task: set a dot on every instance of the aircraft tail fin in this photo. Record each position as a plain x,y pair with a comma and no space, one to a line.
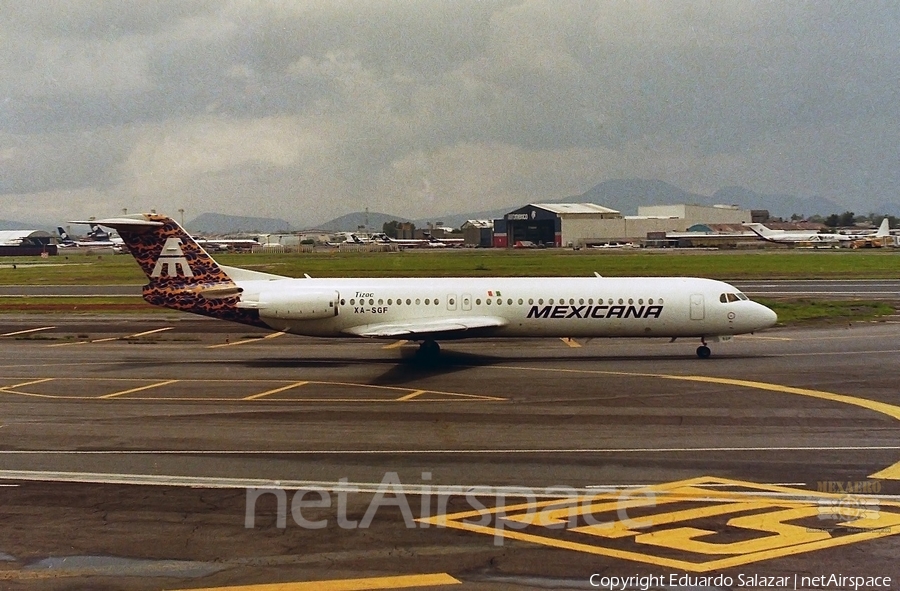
63,235
884,230
760,230
181,275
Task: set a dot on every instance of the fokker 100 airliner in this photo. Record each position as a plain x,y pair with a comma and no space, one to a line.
182,276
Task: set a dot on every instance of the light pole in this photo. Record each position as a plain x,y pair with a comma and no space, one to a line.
181,212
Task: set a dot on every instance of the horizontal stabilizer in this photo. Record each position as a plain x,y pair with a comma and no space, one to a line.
125,222
213,292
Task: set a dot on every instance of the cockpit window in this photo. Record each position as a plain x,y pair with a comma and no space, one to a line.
731,297
742,296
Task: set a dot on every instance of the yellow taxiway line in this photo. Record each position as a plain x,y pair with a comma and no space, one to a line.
107,339
138,389
274,391
10,334
890,473
245,341
395,582
396,345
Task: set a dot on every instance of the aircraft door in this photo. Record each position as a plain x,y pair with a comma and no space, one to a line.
466,301
698,310
451,301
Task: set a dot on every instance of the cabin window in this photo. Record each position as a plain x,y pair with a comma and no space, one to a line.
611,301
418,301
530,301
488,301
452,301
660,301
509,301
641,302
550,301
520,301
590,301
580,301
380,301
436,302
408,302
630,301
343,302
477,301
650,301
541,301
572,301
352,301
621,301
371,301
427,301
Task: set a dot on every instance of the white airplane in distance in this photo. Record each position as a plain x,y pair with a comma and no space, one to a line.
227,243
872,239
382,238
797,237
97,238
182,276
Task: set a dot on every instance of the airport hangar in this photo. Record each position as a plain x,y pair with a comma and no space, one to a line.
26,243
587,224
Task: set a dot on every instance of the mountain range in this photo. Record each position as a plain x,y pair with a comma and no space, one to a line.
623,195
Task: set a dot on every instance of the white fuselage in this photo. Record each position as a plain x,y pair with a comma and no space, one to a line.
524,307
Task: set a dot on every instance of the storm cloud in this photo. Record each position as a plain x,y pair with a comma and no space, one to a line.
309,110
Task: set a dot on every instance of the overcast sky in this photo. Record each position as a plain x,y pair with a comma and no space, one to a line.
306,110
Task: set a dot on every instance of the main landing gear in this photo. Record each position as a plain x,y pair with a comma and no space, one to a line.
428,350
703,352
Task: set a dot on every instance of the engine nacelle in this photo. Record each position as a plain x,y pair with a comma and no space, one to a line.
294,304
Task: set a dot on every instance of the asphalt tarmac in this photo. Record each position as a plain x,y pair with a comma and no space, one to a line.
166,452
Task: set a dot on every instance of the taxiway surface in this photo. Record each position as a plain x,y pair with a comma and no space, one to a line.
132,447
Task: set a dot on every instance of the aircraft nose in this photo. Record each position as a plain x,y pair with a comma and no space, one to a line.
765,317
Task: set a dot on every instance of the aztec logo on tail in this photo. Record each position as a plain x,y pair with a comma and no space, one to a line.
170,260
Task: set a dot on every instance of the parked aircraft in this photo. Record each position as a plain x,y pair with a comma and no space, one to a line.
798,237
872,240
428,242
221,244
97,238
182,276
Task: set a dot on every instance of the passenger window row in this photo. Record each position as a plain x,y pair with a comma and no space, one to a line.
521,301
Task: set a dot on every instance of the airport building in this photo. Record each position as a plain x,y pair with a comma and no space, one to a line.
549,224
589,224
26,243
478,233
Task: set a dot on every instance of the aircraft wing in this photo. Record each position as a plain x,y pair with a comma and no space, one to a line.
426,328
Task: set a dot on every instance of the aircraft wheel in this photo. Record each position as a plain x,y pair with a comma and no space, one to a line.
429,349
703,352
